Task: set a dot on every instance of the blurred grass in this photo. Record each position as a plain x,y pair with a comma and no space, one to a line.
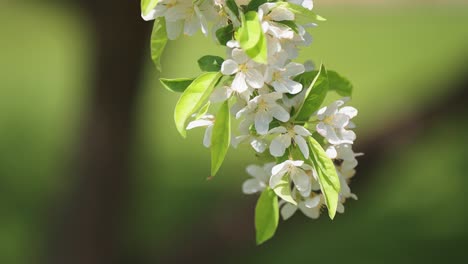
399,60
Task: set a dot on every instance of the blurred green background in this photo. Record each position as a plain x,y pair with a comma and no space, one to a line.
402,59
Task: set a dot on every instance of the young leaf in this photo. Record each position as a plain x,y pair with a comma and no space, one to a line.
314,96
210,63
147,6
176,85
255,4
158,41
283,190
266,216
221,138
327,176
203,110
231,4
339,84
251,37
225,34
307,14
193,98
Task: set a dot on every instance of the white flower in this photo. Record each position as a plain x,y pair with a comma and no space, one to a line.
260,179
345,193
223,93
309,206
182,15
258,143
280,77
246,71
345,153
269,14
204,121
262,109
309,4
296,171
288,135
334,121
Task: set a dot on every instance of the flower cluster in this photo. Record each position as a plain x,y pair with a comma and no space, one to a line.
276,99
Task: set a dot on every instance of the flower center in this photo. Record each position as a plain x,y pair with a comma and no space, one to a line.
262,105
328,120
243,67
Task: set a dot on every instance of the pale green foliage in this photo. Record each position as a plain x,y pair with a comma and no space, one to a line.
266,216
314,96
328,178
147,6
193,98
158,41
281,98
176,85
251,37
221,137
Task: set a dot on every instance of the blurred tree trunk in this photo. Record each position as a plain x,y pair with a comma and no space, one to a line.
87,226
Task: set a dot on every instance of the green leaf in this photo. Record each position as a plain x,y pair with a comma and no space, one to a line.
203,110
210,63
231,4
193,98
314,96
251,37
283,190
290,24
255,4
266,216
147,6
158,41
304,14
339,84
221,138
327,176
176,85
225,34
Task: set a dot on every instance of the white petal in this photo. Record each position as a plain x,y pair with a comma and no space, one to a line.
229,67
239,85
191,25
312,202
277,147
301,180
347,136
254,78
279,113
328,132
293,69
340,120
288,210
313,213
300,141
276,178
150,16
349,111
207,137
255,171
279,168
300,130
251,186
340,209
278,130
174,29
258,145
281,14
239,56
292,86
199,123
262,122
331,152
